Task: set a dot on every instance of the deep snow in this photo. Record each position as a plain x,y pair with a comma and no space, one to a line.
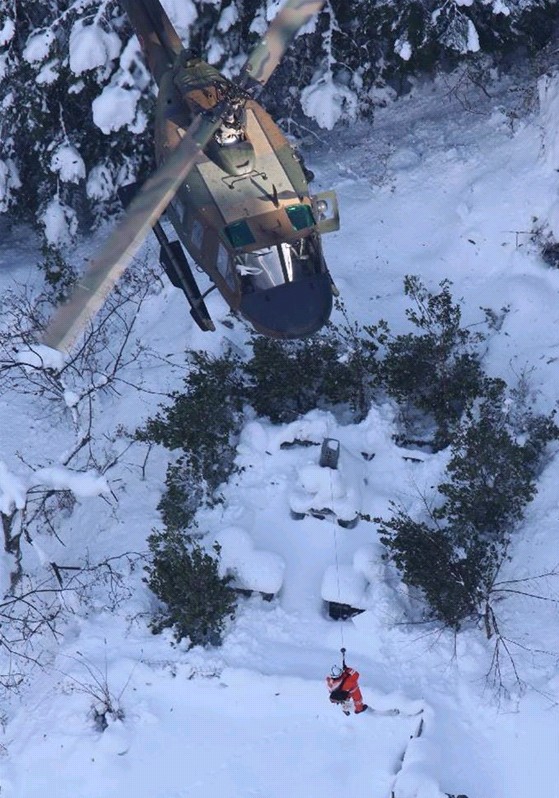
436,187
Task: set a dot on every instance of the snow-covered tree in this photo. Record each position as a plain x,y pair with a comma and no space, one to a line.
74,103
76,98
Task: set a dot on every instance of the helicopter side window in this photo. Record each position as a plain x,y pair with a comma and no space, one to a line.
197,234
225,267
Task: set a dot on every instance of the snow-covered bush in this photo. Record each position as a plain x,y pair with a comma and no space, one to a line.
183,495
454,554
196,600
59,274
54,67
437,370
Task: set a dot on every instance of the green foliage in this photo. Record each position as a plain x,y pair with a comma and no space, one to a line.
185,578
454,556
427,560
491,474
436,371
203,420
184,493
289,378
59,275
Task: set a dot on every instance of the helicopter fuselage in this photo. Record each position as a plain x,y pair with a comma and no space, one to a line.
244,213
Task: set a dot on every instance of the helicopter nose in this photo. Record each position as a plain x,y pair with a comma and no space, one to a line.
291,310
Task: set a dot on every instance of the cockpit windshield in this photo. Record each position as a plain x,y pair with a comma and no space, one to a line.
283,263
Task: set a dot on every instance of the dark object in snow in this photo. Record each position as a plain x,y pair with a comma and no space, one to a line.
243,591
330,453
297,442
325,512
341,612
348,524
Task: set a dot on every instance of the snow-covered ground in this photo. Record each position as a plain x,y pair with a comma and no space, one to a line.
437,187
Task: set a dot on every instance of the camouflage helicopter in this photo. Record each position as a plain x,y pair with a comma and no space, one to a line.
232,186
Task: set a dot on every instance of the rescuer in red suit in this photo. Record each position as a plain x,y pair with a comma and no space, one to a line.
343,684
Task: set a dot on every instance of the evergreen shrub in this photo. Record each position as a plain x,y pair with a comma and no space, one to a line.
204,419
455,554
289,378
196,600
434,373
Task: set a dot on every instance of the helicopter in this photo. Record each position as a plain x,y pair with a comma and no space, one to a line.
232,186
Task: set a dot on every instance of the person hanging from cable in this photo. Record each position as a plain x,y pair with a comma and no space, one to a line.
343,684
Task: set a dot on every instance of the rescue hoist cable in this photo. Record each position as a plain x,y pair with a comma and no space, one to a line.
337,565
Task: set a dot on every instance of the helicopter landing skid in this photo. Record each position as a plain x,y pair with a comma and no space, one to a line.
177,268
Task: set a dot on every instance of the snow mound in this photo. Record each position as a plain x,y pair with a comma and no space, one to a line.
13,491
68,164
337,491
91,47
327,101
38,46
115,108
41,356
367,561
60,223
344,585
251,568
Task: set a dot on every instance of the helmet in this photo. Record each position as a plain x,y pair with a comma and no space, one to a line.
336,671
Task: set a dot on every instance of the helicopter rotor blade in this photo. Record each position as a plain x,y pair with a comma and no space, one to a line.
108,265
269,51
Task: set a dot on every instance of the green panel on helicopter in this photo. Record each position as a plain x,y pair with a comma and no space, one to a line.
239,234
300,216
